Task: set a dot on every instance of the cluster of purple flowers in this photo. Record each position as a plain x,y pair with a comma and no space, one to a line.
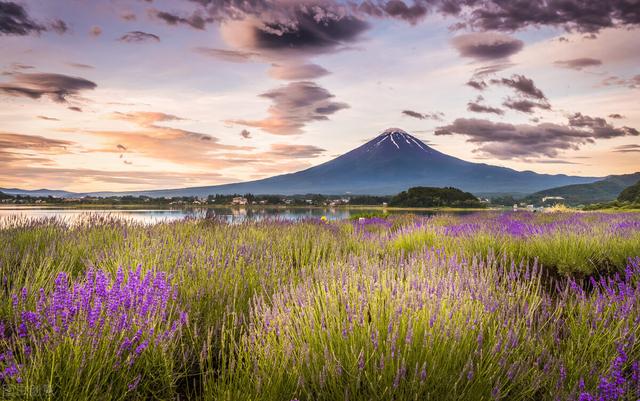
395,312
131,311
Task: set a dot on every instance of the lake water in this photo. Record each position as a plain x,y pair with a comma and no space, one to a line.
151,216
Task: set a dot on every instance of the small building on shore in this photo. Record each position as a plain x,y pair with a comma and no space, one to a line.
239,200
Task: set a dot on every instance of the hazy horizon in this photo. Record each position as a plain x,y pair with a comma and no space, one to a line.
139,95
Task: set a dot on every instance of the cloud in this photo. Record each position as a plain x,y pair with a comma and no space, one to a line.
631,83
437,116
294,72
479,84
197,20
183,147
484,46
295,105
522,85
234,56
18,149
75,108
31,142
56,86
395,9
506,141
578,63
127,16
245,134
525,105
37,176
616,115
476,107
294,31
627,149
600,127
14,20
59,26
295,151
551,161
146,118
568,14
95,31
483,71
48,118
80,65
139,37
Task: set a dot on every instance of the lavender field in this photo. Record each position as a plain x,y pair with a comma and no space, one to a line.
486,306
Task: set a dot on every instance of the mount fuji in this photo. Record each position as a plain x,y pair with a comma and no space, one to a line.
388,164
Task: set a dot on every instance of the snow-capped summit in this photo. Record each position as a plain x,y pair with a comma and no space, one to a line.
398,138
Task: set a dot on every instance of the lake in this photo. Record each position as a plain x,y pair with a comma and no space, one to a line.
151,215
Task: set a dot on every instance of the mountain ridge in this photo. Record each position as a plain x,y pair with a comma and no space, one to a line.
386,165
604,190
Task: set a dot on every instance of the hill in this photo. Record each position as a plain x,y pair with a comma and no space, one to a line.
434,197
630,194
604,190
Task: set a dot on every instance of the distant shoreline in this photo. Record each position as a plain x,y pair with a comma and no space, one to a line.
256,207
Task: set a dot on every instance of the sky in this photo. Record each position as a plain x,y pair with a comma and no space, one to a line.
144,94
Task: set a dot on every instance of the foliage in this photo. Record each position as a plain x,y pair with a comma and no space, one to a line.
505,306
434,197
630,194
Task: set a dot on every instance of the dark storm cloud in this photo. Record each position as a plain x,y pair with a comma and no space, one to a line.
479,85
437,116
36,85
505,141
525,105
197,20
616,115
486,45
294,106
578,63
14,20
234,56
138,37
75,108
476,107
522,85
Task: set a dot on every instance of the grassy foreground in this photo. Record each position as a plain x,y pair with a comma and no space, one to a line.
489,306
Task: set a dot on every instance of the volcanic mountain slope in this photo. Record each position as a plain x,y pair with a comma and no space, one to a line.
388,164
